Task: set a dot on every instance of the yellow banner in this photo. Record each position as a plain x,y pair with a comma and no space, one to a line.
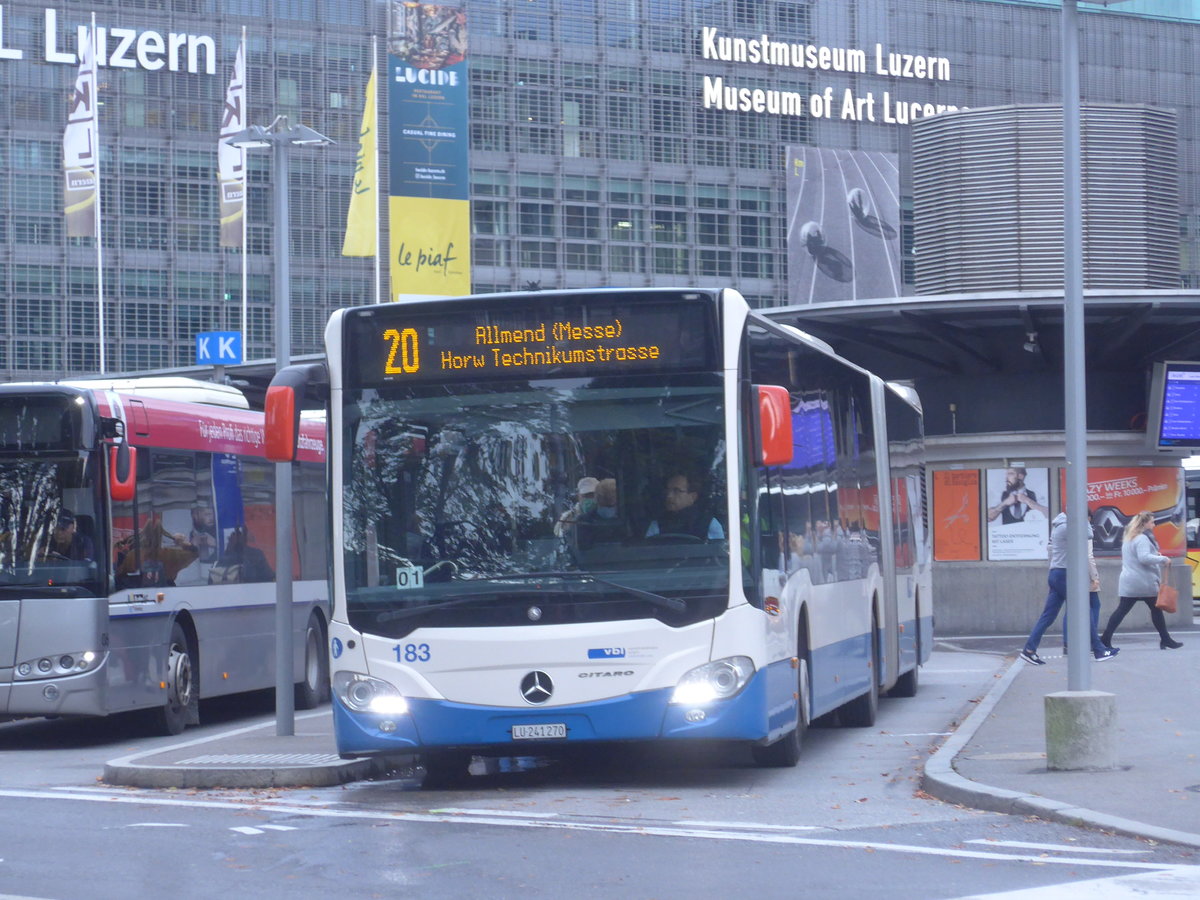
431,246
361,218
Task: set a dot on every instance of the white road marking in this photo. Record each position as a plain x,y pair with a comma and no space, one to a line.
644,830
279,827
689,824
457,811
246,829
1177,881
156,825
1025,845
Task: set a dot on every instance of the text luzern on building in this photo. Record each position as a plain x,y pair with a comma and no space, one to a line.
122,48
846,104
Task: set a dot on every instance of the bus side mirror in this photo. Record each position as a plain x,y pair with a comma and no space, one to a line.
122,472
282,423
285,400
774,425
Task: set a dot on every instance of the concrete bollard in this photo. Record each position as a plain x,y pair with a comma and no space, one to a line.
1081,730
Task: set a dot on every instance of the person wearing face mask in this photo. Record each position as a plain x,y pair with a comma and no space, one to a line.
601,523
585,505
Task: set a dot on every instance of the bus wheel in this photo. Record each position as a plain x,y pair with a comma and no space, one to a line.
313,689
785,752
860,712
906,685
183,703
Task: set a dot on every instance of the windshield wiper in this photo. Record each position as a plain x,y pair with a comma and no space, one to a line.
672,603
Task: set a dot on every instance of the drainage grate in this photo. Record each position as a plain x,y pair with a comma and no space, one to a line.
262,759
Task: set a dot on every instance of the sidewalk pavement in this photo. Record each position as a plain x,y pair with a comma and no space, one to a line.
995,760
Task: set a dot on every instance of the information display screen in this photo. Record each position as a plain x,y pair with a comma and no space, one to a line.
525,336
1178,415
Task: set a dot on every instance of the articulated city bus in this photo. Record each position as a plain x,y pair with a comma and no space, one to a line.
610,515
137,544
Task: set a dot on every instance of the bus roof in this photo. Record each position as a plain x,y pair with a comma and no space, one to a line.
184,390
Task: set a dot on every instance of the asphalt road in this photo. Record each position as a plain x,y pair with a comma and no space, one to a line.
849,822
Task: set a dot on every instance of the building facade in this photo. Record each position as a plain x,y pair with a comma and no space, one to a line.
623,142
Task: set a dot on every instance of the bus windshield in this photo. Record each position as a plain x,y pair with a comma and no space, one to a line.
48,524
594,499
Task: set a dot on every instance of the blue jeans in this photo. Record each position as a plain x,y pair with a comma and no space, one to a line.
1057,581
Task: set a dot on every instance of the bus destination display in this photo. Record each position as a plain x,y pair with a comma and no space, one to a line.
460,342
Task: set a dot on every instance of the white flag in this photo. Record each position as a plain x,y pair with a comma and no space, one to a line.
231,161
80,146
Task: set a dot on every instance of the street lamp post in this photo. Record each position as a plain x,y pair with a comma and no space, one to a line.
281,137
1080,722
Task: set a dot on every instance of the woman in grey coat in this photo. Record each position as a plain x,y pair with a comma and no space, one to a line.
1140,567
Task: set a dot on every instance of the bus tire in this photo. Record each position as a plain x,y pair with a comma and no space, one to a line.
313,689
785,752
860,712
906,685
908,682
183,699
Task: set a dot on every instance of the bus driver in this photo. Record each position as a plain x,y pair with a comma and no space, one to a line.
681,513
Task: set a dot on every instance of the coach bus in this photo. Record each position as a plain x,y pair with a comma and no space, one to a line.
137,544
610,515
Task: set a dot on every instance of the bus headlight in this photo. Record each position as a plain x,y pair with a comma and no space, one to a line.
54,666
363,693
717,680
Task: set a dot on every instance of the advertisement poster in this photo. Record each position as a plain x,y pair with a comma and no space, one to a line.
1116,495
843,232
429,213
956,515
1018,513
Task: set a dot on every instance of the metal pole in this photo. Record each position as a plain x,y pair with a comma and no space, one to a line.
285,703
1078,621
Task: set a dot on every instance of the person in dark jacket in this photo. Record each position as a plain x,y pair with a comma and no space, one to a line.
67,542
682,514
251,563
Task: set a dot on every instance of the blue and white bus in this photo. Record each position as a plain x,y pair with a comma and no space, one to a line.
610,515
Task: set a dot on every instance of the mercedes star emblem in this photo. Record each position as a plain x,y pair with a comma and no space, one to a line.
536,687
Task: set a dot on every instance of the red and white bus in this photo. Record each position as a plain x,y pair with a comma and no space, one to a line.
137,548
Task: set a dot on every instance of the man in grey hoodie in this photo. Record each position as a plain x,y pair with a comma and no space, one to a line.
1057,581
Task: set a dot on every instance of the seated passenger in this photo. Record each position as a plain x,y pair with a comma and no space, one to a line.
682,514
601,523
153,556
241,562
585,504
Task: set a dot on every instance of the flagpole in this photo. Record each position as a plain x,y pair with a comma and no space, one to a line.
378,183
99,233
245,194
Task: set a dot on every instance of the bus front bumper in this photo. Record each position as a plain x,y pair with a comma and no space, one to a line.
643,716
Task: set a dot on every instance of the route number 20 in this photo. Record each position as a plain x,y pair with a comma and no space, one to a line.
404,345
